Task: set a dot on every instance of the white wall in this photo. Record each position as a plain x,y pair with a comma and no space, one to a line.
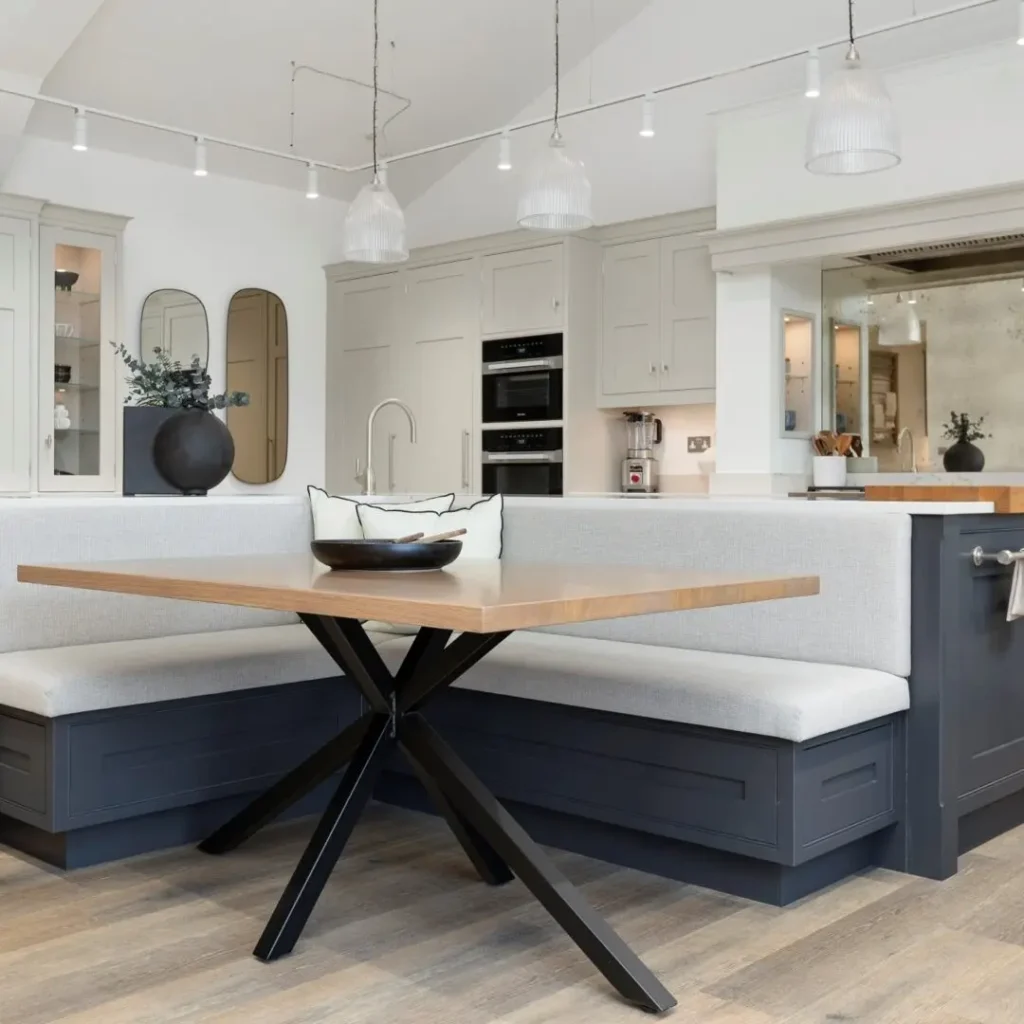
960,120
679,423
211,236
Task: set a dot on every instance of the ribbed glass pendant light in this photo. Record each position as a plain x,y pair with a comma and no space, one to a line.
375,224
557,193
853,128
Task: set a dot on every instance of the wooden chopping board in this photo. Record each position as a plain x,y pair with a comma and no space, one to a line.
1005,498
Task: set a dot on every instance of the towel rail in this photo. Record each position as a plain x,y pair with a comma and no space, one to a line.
1005,557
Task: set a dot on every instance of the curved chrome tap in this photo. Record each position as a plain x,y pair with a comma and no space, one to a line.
371,479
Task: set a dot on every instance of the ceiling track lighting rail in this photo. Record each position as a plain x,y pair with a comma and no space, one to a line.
634,97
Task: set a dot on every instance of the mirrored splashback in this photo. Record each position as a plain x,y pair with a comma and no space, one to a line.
904,354
174,322
257,354
798,337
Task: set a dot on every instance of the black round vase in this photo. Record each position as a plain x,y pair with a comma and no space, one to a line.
193,451
963,457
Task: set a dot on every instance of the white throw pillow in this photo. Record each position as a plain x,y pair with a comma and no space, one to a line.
481,521
336,518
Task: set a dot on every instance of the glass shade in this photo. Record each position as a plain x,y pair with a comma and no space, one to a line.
853,127
557,193
375,227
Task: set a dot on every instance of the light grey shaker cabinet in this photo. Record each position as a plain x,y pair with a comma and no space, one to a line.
523,290
658,324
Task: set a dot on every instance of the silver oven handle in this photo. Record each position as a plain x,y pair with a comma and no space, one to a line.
543,457
465,459
515,365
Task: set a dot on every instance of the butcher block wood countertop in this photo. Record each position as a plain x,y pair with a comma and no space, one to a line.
1004,498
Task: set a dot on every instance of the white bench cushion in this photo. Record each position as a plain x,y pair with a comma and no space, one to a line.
793,700
92,677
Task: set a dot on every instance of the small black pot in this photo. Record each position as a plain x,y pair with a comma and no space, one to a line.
963,457
193,451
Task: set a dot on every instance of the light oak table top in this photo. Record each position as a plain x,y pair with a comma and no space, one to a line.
478,597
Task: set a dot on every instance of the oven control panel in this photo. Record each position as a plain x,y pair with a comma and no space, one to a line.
543,439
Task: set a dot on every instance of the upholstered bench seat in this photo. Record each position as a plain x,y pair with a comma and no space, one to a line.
790,700
93,677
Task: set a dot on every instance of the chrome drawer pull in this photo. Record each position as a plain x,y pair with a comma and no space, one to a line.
979,556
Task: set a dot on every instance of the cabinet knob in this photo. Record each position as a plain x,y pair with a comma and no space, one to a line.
49,440
664,367
654,369
555,303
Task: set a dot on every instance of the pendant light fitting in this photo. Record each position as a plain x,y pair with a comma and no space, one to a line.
505,151
375,224
557,196
647,117
1020,23
853,128
312,182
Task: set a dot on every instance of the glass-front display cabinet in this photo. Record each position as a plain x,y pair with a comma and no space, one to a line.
77,362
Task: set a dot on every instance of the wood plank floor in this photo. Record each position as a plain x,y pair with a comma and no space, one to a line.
405,934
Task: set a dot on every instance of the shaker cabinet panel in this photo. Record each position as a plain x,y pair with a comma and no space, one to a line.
630,346
523,290
440,301
15,342
366,310
688,320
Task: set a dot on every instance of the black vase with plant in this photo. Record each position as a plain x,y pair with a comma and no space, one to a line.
191,449
963,456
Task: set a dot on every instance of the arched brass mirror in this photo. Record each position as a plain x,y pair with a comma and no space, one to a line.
174,322
257,349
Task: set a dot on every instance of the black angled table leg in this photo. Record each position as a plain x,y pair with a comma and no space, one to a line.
489,865
324,849
331,757
594,936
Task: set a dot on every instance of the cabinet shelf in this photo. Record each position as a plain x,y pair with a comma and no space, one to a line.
75,298
72,386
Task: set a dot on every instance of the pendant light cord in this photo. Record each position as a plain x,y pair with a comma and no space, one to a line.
850,9
376,47
557,64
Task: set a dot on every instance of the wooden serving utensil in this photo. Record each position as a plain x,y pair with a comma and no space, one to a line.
443,536
409,539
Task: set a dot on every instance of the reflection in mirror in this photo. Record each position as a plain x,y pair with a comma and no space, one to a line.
175,322
257,350
847,378
943,335
798,353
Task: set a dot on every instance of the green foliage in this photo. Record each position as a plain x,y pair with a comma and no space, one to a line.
963,429
170,385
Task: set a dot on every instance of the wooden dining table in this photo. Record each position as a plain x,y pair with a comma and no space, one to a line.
463,613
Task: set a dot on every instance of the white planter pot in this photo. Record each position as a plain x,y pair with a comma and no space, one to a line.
829,470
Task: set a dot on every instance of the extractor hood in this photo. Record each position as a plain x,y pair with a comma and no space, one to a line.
938,257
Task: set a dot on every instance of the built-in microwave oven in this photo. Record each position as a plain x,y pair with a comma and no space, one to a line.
522,461
522,379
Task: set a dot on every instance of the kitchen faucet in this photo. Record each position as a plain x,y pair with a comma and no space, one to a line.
371,480
907,432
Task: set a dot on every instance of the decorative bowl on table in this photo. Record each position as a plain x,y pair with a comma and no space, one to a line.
385,555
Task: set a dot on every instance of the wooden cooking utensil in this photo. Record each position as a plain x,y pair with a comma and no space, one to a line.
443,536
409,539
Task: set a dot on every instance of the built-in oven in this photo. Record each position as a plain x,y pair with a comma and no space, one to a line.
522,461
522,379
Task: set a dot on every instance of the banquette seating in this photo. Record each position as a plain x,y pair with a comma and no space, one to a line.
757,749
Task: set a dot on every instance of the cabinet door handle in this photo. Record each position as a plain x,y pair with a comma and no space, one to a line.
465,459
555,303
664,367
391,463
654,369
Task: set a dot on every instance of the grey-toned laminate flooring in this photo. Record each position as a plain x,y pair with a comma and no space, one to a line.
406,934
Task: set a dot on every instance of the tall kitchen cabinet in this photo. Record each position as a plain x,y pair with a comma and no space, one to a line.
59,383
416,334
413,335
658,323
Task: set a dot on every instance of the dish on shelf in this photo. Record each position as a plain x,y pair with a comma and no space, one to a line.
65,279
64,330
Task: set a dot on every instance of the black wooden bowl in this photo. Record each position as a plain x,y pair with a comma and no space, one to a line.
385,554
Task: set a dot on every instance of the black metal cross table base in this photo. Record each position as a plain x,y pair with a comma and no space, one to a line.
493,840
